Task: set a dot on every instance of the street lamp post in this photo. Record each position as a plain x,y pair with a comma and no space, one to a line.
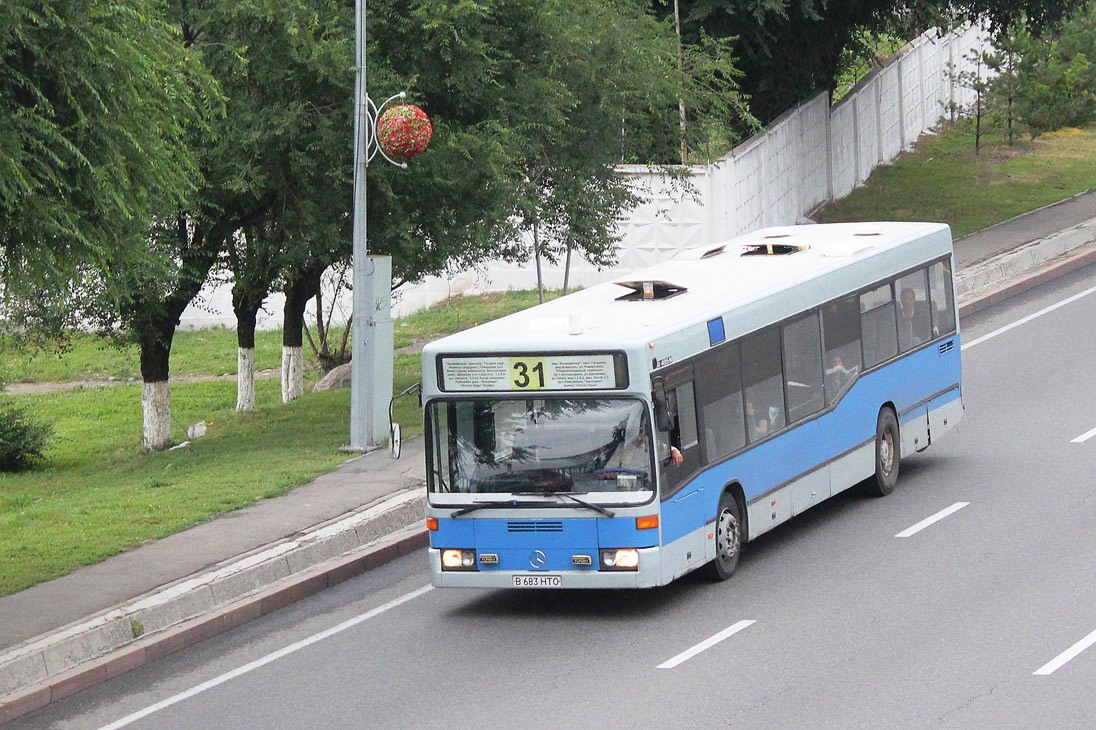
361,391
371,368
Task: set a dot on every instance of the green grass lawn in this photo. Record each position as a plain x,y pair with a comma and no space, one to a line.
943,180
100,493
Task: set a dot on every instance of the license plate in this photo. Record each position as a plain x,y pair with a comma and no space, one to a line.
538,581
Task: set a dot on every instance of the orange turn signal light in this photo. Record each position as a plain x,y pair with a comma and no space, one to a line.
647,522
432,524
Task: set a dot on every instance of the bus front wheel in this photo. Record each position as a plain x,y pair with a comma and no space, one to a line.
888,454
728,538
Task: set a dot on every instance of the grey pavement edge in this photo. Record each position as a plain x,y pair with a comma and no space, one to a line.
103,620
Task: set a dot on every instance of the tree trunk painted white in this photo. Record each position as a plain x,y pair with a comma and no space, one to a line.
156,408
292,373
245,379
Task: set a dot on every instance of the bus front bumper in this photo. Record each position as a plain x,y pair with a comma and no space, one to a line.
647,575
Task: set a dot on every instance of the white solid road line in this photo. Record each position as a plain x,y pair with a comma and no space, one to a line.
706,644
1067,655
1025,320
263,661
1084,437
931,520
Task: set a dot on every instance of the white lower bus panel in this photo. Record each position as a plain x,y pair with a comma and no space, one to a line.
803,493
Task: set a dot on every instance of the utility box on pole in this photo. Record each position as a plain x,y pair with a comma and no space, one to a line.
371,378
381,353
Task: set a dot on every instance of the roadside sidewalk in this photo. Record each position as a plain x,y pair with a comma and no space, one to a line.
1013,256
103,620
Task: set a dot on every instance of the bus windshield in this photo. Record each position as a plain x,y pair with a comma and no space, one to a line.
540,445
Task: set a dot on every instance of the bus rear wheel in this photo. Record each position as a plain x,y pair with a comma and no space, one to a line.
728,539
888,454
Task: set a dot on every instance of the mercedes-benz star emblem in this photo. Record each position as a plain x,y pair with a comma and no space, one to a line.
538,559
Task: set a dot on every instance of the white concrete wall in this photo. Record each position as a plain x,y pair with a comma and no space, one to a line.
811,154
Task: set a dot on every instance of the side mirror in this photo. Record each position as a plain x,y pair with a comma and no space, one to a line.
393,427
394,443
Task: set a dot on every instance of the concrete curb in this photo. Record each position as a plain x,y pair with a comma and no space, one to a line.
58,664
988,282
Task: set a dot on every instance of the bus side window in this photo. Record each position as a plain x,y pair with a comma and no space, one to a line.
762,382
803,367
914,321
943,303
685,427
677,419
878,325
719,394
841,333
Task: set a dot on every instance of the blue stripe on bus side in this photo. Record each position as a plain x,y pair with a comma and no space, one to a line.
931,371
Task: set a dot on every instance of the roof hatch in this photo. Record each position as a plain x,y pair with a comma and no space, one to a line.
771,249
700,252
648,291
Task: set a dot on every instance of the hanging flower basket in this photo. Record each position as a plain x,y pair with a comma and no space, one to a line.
404,131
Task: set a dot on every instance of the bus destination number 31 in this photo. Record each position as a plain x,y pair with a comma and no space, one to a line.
527,374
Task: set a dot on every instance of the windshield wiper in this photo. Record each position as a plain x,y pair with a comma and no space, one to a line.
487,505
570,496
542,493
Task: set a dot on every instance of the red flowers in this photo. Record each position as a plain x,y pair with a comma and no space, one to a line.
404,131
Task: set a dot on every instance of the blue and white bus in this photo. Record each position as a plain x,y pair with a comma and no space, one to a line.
627,434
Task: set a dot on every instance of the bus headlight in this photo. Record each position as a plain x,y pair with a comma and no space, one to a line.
620,559
455,559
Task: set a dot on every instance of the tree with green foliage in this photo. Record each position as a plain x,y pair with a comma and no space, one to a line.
788,50
233,200
1002,63
96,100
527,100
283,147
97,158
1051,79
534,104
527,130
274,170
604,67
152,297
978,64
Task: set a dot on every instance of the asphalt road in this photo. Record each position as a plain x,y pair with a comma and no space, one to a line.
863,613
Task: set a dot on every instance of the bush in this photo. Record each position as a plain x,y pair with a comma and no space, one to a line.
23,439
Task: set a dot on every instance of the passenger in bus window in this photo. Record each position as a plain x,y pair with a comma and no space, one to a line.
759,424
838,375
913,321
